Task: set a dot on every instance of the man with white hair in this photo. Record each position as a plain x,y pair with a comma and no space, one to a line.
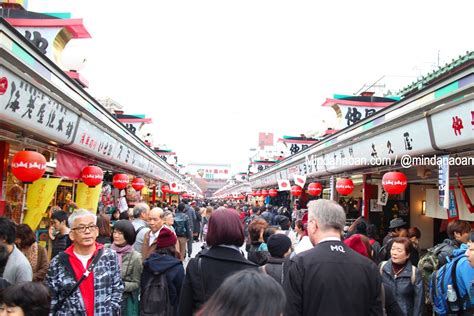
85,278
331,278
140,218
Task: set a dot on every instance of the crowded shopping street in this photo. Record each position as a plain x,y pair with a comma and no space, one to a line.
250,158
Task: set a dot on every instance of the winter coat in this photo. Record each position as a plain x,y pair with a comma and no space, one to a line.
276,268
197,222
108,287
257,256
332,279
191,214
464,276
42,263
172,267
217,263
410,296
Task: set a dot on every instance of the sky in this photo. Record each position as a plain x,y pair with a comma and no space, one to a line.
213,74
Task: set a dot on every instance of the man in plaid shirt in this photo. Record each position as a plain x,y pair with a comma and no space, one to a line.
100,293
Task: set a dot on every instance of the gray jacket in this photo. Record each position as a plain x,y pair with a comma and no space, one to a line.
408,291
131,270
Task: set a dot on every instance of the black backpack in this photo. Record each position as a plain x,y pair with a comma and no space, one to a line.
154,297
181,225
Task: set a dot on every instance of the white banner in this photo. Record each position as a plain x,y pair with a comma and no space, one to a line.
382,196
443,182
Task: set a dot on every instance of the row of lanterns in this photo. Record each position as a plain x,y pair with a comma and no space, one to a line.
393,182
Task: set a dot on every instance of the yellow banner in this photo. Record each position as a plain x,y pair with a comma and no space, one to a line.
88,198
39,195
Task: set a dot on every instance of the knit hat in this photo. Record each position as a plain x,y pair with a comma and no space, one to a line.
355,243
166,238
278,245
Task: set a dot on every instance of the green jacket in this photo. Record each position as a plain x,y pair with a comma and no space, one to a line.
131,270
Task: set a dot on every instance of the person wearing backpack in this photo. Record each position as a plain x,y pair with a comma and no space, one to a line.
458,233
162,278
452,286
403,278
182,228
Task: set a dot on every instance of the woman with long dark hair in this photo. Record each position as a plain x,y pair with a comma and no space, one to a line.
36,254
246,293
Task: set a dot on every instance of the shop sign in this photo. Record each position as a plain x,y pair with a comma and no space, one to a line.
92,140
42,38
25,106
454,127
443,182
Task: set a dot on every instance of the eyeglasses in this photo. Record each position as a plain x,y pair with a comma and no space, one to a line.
83,229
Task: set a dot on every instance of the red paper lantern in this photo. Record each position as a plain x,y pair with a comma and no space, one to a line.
165,189
273,193
344,186
296,190
28,166
394,182
138,184
120,181
92,176
241,197
315,189
264,193
258,193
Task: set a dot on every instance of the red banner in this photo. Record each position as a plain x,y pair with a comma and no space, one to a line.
69,165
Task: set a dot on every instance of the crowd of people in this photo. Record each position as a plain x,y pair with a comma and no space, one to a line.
254,261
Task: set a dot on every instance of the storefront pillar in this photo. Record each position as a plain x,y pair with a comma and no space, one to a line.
4,152
366,195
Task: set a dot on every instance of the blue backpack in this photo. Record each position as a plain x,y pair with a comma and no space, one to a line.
438,288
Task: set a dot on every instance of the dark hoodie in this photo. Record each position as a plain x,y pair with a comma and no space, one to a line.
174,273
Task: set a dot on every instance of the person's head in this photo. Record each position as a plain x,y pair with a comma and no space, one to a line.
25,299
181,208
270,230
470,250
141,211
124,233
414,234
372,231
25,237
166,238
283,222
459,231
103,224
3,257
168,218
279,245
396,225
325,219
400,251
299,228
360,244
225,228
256,229
209,211
246,293
59,220
83,226
155,219
116,215
7,231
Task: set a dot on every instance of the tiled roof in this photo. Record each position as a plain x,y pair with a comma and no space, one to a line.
436,74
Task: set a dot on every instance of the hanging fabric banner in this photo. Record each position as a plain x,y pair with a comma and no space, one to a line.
453,211
382,196
39,195
88,198
443,182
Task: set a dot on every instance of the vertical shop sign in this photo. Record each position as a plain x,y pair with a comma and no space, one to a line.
39,195
453,212
382,196
331,186
443,182
88,198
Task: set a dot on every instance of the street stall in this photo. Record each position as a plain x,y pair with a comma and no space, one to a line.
434,118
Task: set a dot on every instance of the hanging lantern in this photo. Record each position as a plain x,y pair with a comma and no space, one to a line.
138,184
264,193
273,193
394,182
258,193
315,188
92,176
296,190
241,197
344,186
120,181
28,166
165,189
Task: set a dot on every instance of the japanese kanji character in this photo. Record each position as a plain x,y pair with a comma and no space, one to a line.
374,151
408,141
120,151
294,149
352,116
87,140
40,42
472,122
351,152
41,112
369,112
83,138
60,125
389,146
342,154
457,125
128,156
30,107
304,146
216,171
51,118
260,168
15,104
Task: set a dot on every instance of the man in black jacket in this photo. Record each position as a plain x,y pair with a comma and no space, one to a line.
331,279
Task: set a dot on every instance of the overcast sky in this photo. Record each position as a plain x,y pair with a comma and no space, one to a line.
212,74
